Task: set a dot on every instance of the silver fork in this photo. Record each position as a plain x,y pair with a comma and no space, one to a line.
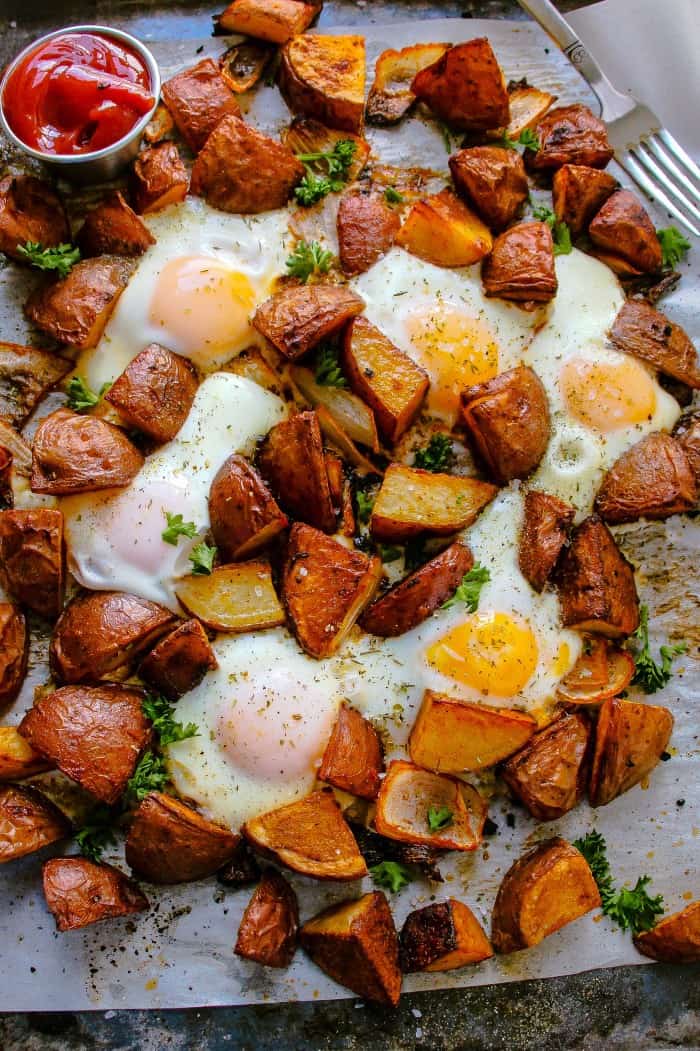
647,151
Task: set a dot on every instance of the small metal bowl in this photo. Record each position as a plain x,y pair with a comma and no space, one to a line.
100,165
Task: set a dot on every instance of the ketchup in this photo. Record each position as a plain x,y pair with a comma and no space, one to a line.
77,93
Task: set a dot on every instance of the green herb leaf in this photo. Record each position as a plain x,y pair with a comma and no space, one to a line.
309,259
177,528
561,235
594,850
150,775
446,135
328,372
202,558
528,139
62,258
633,909
390,874
469,590
392,195
389,554
312,188
326,171
437,454
439,817
80,397
162,714
648,674
673,246
365,503
98,834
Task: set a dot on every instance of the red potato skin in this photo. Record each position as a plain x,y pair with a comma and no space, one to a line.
32,558
367,227
269,929
197,100
549,775
545,526
687,434
653,479
158,178
675,939
81,454
521,265
155,392
14,649
648,334
570,135
113,228
493,180
28,822
353,759
30,210
630,740
292,461
623,227
578,193
79,892
180,661
299,317
27,374
465,87
76,308
243,513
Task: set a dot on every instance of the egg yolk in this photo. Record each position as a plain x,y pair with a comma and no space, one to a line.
606,396
492,652
203,307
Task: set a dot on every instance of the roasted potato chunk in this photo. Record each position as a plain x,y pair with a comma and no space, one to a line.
603,670
113,228
687,434
180,661
299,317
342,416
570,135
324,77
623,226
155,392
251,365
81,454
418,595
169,842
442,937
13,442
353,759
548,887
545,527
629,742
521,265
198,99
306,135
14,645
76,308
243,513
549,775
158,179
442,230
412,501
390,96
17,757
465,87
26,376
325,587
493,180
101,631
311,837
578,193
32,565
356,944
527,106
30,210
507,420
28,822
94,734
276,21
242,170
243,65
292,461
79,892
367,227
653,479
675,939
596,583
270,924
648,334
239,597
159,126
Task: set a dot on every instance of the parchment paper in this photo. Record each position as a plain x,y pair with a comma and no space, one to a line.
180,954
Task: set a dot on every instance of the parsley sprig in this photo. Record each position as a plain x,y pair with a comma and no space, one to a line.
437,454
80,397
648,674
392,196
202,558
98,834
162,714
327,367
390,874
439,817
526,138
326,171
62,258
561,234
309,259
176,528
365,503
634,909
469,591
150,775
674,246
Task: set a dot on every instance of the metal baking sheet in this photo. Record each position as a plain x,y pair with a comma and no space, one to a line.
180,954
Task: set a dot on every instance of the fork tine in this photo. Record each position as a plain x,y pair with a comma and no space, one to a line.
679,153
647,161
635,172
653,144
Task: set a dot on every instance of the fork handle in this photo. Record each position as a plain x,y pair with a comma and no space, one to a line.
563,34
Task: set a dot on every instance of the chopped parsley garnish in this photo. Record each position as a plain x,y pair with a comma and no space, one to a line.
650,675
326,171
162,714
202,558
62,258
390,874
388,553
177,528
526,138
439,817
150,775
392,196
469,590
80,397
436,456
327,367
673,246
365,503
308,260
98,834
634,909
561,235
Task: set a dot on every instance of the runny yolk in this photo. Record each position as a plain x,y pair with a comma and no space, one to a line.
492,652
607,396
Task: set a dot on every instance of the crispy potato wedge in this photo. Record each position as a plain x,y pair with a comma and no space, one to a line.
450,736
243,65
570,135
442,937
28,822
269,928
623,226
412,501
81,454
546,524
30,210
236,598
276,21
79,892
324,77
251,365
169,842
521,264
76,308
26,376
159,126
527,106
102,631
197,99
291,459
32,564
367,227
311,837
306,135
243,513
354,758
180,661
340,412
155,392
493,180
14,650
17,757
675,939
603,670
390,96
597,590
629,741
407,795
548,887
549,775
158,179
578,194
299,317
687,434
648,334
442,230
652,479
113,228
325,587
465,87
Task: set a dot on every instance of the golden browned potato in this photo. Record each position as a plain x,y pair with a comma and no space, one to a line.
390,96
28,822
367,227
687,434
442,230
274,20
306,135
602,670
311,837
653,479
158,179
355,943
527,106
76,308
299,317
198,99
418,595
353,759
648,334
80,454
155,392
26,376
180,661
521,264
465,87
325,587
442,937
32,566
269,928
79,892
623,226
507,420
549,775
159,126
324,77
239,597
113,228
570,135
412,501
30,210
17,757
244,63
578,193
630,740
546,524
342,416
243,513
169,842
241,170
675,939
596,583
14,649
548,887
493,180
251,365
292,461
